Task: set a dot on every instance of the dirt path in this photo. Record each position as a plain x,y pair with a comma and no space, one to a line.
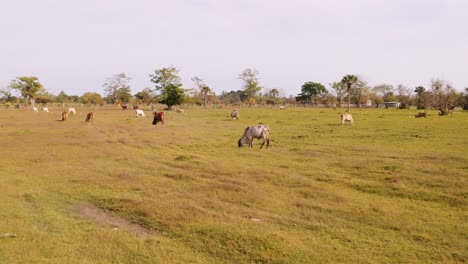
89,211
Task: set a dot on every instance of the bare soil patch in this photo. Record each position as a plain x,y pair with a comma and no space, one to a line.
90,211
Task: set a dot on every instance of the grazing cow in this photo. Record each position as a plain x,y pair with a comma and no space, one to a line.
346,117
35,109
135,107
124,107
90,117
64,115
140,113
421,115
158,117
45,109
282,107
445,111
235,114
72,110
180,111
259,131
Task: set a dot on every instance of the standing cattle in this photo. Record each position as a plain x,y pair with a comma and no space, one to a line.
72,110
64,115
346,117
140,113
135,107
45,109
35,109
259,131
158,117
124,107
90,117
235,114
282,107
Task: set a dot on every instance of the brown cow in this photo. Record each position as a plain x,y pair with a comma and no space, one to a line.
135,107
90,117
64,115
421,115
158,117
124,107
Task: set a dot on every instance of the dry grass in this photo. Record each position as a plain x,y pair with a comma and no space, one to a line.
389,189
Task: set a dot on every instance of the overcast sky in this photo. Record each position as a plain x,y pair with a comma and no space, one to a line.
75,45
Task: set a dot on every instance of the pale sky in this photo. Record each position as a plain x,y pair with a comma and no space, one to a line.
75,45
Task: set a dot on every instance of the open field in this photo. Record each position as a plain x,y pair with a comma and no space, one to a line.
390,189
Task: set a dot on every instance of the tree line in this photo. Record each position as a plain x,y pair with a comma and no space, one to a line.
168,89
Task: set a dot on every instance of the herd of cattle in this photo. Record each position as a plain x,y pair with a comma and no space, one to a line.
260,131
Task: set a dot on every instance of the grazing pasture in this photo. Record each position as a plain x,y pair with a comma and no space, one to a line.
389,189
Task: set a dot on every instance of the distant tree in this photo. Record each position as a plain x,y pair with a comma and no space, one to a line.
349,81
384,91
310,90
123,95
464,101
168,83
7,95
273,93
146,96
28,86
340,91
403,95
232,97
92,98
62,97
437,87
44,98
361,92
251,84
117,88
419,91
203,89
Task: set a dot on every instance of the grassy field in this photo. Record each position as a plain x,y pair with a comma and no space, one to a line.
390,189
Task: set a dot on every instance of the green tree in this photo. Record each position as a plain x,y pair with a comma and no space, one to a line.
62,97
349,81
340,91
7,95
419,91
44,98
146,96
437,86
28,86
123,95
117,88
168,83
92,98
204,90
251,84
310,90
361,92
384,91
403,95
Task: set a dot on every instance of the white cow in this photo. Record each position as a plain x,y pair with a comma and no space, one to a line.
259,131
35,109
45,109
282,107
235,114
140,112
72,110
346,117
